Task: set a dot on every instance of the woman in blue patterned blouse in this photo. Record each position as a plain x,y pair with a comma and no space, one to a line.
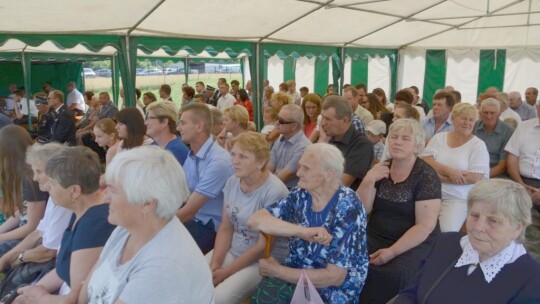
326,224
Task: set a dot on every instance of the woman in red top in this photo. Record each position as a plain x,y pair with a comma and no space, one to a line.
311,105
243,100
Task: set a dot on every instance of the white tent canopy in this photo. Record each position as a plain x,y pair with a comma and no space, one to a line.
355,23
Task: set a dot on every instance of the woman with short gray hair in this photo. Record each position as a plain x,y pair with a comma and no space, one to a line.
150,257
326,225
73,182
489,264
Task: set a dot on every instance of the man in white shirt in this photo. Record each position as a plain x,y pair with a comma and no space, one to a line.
523,161
75,100
226,99
506,112
293,92
21,110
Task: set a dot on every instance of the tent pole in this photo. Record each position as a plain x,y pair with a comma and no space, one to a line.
342,72
258,95
26,62
186,67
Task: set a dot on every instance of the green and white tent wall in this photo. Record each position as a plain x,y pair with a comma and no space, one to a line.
469,71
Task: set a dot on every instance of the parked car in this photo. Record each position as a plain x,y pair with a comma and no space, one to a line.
169,71
104,73
88,73
141,72
155,72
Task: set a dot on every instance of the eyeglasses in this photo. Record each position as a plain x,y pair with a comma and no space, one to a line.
282,121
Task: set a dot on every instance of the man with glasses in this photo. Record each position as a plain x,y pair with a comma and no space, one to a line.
290,146
63,126
356,148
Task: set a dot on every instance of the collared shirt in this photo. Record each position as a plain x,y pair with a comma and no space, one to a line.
225,101
356,122
428,124
526,111
108,110
286,153
492,266
495,141
525,144
358,153
206,173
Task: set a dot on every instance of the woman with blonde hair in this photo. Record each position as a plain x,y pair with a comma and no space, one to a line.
236,250
461,159
106,136
235,122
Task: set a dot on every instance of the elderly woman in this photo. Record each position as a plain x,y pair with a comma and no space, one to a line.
489,264
236,251
73,184
311,105
235,121
150,257
403,197
326,225
160,124
460,159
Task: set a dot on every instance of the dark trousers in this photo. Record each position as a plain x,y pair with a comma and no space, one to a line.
204,235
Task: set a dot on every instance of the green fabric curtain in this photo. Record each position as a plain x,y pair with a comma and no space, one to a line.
289,69
492,66
359,71
435,76
193,46
115,78
321,75
127,61
91,42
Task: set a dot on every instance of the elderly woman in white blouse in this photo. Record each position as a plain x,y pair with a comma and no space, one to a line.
489,264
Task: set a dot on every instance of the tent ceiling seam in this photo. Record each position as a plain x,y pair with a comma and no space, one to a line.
296,19
395,22
357,3
155,7
498,26
478,16
462,24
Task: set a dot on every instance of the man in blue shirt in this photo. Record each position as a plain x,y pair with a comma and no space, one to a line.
443,102
160,124
207,168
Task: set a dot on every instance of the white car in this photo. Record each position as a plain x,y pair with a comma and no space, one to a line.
89,73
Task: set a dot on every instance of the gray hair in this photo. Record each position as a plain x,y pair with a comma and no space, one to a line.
341,106
505,197
296,114
330,158
41,153
410,124
491,102
515,94
75,166
503,97
150,173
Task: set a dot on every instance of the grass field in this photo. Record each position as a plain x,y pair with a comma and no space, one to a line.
152,83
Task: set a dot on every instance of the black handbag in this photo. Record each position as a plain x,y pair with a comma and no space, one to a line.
21,275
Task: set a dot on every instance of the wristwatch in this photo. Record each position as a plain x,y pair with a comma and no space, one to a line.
21,257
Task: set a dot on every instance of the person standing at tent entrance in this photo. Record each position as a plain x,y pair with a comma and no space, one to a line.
207,168
75,100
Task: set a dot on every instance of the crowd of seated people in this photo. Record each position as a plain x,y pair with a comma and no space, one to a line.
360,194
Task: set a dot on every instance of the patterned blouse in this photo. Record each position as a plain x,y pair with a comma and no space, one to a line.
345,220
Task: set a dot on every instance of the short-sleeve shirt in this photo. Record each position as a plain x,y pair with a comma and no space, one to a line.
91,231
495,141
358,153
526,111
346,222
31,194
240,206
378,149
286,153
169,268
206,173
525,144
471,157
394,206
428,124
108,111
178,149
53,224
